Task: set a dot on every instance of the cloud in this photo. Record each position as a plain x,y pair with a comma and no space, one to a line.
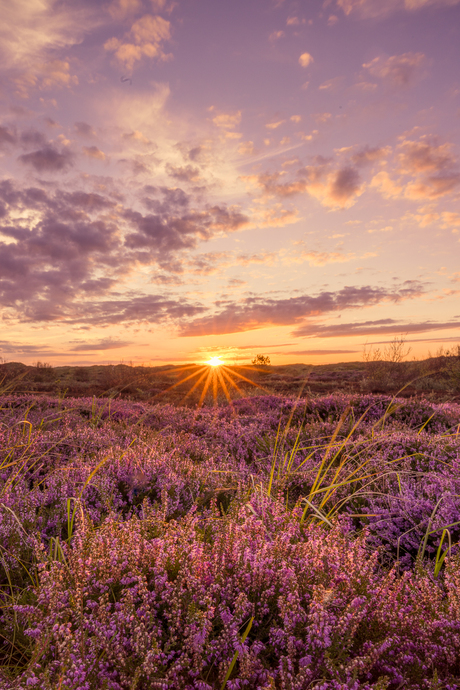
450,219
148,34
365,86
398,70
319,352
258,312
94,152
48,159
424,155
345,186
56,73
103,344
330,84
432,165
65,256
305,59
275,125
274,217
187,173
322,118
247,148
316,258
154,309
433,187
162,235
84,130
207,264
120,8
335,189
31,33
276,35
367,155
8,347
227,120
7,136
386,186
29,30
387,326
378,9
265,258
32,138
387,228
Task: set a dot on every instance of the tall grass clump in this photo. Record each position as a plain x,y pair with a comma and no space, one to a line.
281,543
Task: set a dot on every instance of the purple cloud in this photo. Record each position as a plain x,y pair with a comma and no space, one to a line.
390,326
48,159
258,312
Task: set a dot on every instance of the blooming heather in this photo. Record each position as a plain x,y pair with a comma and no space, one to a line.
140,543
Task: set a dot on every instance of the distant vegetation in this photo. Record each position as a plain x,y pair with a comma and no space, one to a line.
261,360
380,371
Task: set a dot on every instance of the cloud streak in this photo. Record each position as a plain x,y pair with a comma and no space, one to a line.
258,312
379,327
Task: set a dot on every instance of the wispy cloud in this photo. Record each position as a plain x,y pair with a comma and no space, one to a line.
103,344
376,8
381,326
397,70
258,312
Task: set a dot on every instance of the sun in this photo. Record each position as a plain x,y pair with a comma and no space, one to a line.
213,376
215,362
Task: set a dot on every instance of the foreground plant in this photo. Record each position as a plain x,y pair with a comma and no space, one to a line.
156,547
148,603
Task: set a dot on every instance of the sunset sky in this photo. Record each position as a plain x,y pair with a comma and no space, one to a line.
187,179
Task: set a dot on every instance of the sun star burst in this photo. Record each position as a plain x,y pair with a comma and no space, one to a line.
213,376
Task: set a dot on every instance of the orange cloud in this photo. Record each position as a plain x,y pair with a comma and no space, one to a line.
321,118
247,148
227,120
423,156
386,186
275,125
333,188
276,35
433,187
305,59
148,34
367,156
450,219
275,217
94,152
330,84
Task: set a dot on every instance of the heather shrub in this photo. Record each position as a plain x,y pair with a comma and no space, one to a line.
274,543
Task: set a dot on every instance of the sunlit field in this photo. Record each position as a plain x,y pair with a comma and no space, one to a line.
254,541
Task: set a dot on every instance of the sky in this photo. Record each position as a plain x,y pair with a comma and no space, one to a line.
196,178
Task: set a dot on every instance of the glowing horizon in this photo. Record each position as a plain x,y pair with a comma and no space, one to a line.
215,362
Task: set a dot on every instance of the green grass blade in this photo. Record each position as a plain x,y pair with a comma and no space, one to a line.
230,668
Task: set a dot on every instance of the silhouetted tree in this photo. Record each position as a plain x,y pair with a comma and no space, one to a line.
260,360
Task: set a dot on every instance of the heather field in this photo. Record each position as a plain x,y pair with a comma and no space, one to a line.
275,543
